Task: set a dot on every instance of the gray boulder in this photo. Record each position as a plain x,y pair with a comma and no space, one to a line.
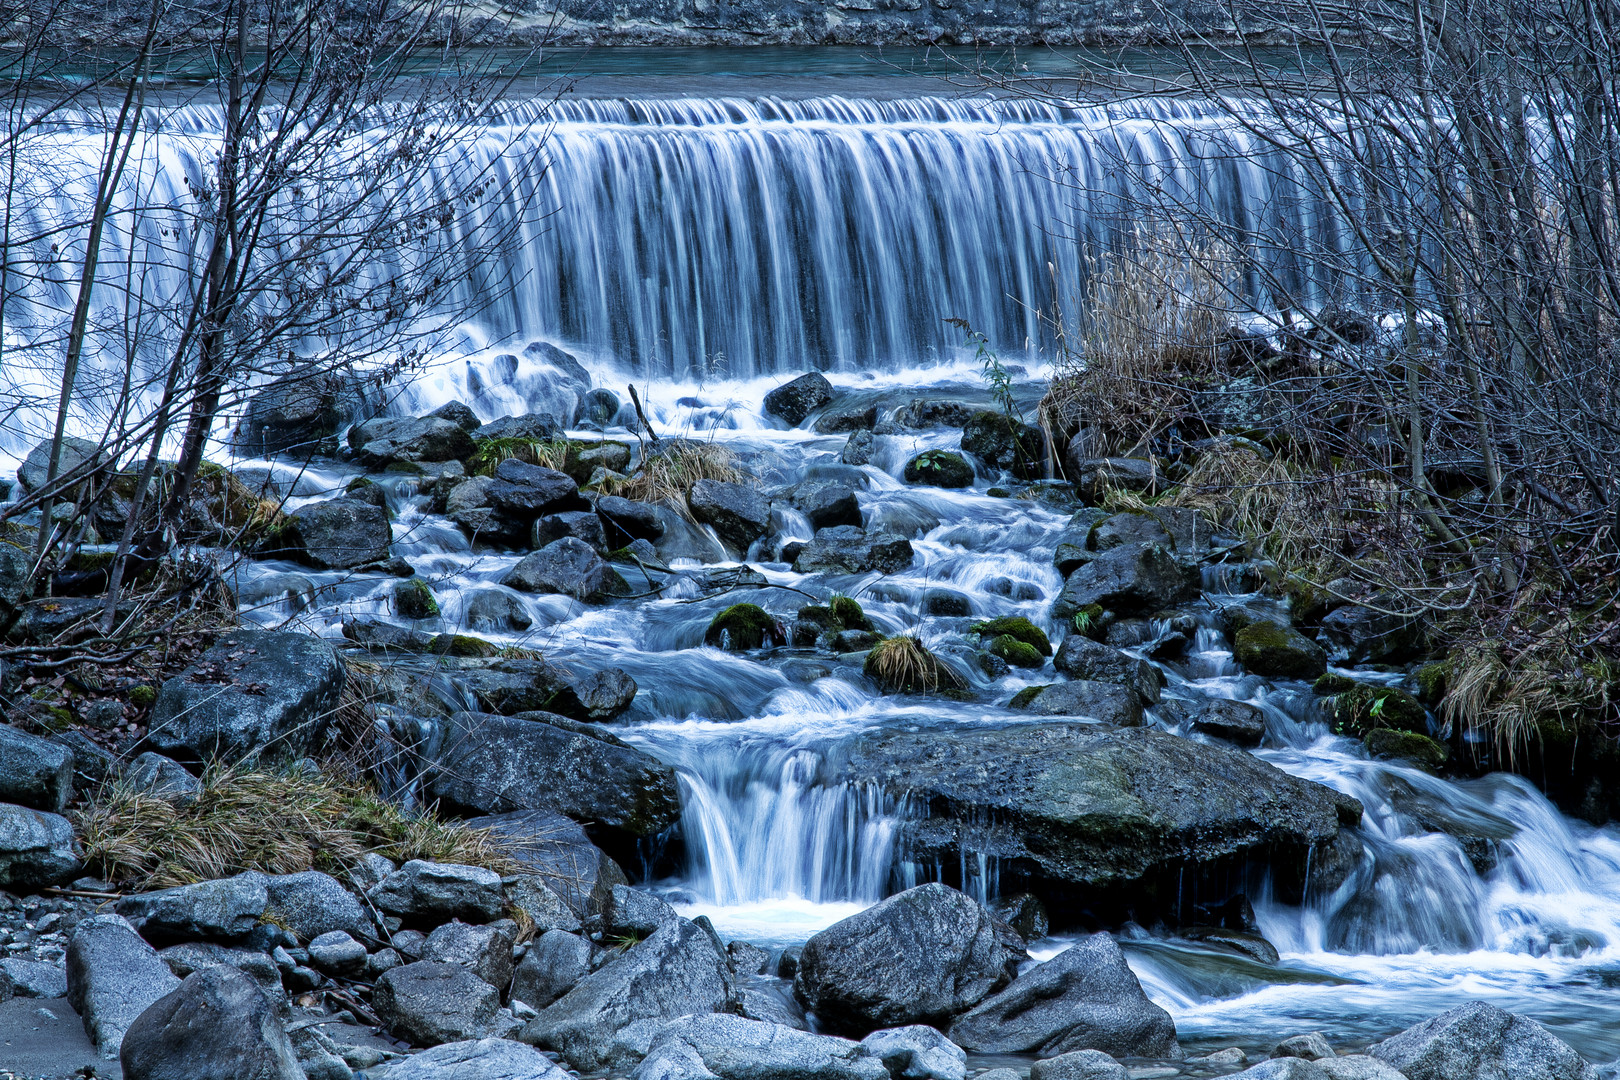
36,848
603,695
289,414
1368,634
793,401
478,1059
217,1025
627,520
1278,652
634,913
556,850
678,971
1129,528
531,427
580,524
422,891
493,609
1005,444
336,953
917,1052
735,1048
848,418
497,764
1094,476
1126,581
317,1054
76,454
255,692
543,905
554,965
1284,1069
379,443
737,512
845,549
1082,658
312,903
526,492
486,951
16,586
31,979
428,1003
858,449
1056,801
569,567
162,778
919,957
514,685
1310,1047
1480,1042
458,413
1085,998
112,977
1234,721
827,503
1079,1065
33,771
1357,1067
1103,702
226,909
340,534
194,956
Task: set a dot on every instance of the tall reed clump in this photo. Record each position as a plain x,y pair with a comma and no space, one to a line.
666,473
552,454
904,665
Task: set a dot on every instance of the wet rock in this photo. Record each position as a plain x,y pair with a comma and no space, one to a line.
554,965
1057,802
530,427
1391,745
36,848
317,1054
678,971
858,449
1079,1065
1006,445
827,503
632,913
336,953
748,959
627,520
478,1059
339,534
1085,998
1074,542
1278,652
921,956
217,1025
493,609
1310,1047
16,586
256,692
162,778
1480,1042
225,910
428,1003
923,413
796,400
849,418
414,599
599,406
34,772
1103,702
430,892
1123,530
524,492
458,414
947,603
557,850
568,567
379,443
289,415
386,636
1357,1067
939,468
600,696
1282,1069
565,362
31,979
545,908
1024,913
1126,581
845,549
917,1052
744,628
486,951
736,1048
1082,658
112,976
580,524
1234,721
496,764
1370,635
76,454
513,685
737,512
1094,476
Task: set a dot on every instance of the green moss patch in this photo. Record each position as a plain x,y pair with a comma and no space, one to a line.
1366,708
1015,652
939,468
1015,626
742,628
1028,694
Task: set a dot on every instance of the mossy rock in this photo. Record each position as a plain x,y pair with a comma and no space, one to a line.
142,697
1016,652
584,458
1333,683
939,468
1278,652
363,489
999,493
463,645
743,628
1015,626
413,599
1387,743
1433,680
1365,707
849,613
1093,621
1028,694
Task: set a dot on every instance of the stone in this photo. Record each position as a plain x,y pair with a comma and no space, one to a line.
722,1047
845,549
948,603
192,956
1093,477
747,959
1282,1069
311,903
1128,529
580,524
1310,1047
1005,444
827,503
627,520
31,979
1077,804
216,1025
633,913
678,971
339,534
530,427
744,628
554,965
1477,1041
858,448
1082,658
793,401
76,454
34,772
414,599
379,443
525,492
1025,913
112,977
1370,635
432,892
1278,652
16,584
291,414
1391,745
569,567
603,695
1079,1065
517,684
738,513
36,848
478,1059
226,909
917,1052
1126,581
599,406
539,761
256,693
317,1054
336,953
458,414
1085,998
162,778
496,609
921,956
848,418
1234,721
1106,703
427,1003
939,468
486,951
387,637
557,851
1357,1067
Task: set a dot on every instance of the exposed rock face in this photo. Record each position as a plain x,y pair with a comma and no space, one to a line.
796,400
525,492
36,847
340,534
1085,998
217,1025
112,976
1082,805
255,691
735,1048
1480,1042
920,957
33,771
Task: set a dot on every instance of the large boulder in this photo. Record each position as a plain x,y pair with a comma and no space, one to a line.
1369,633
556,849
1085,998
112,977
255,693
919,957
36,848
77,454
339,534
796,400
1079,1065
379,443
312,903
1083,658
524,492
1078,804
496,764
556,963
845,549
486,951
569,567
33,771
292,414
259,966
1005,444
1093,477
719,1047
1128,580
430,892
478,1059
738,513
679,971
917,1052
1481,1042
217,1025
530,427
1106,703
428,1003
514,685
1265,648
16,582
580,524
226,909
827,503
939,468
1234,721
628,520
21,978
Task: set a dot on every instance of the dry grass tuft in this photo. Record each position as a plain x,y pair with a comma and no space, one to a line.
904,665
550,454
668,475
